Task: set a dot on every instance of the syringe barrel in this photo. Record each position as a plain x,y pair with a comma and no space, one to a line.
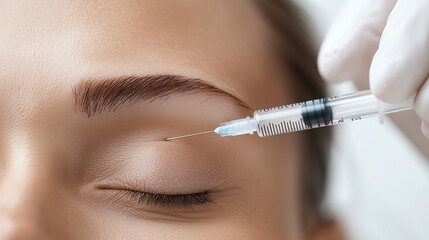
322,112
353,107
361,105
279,120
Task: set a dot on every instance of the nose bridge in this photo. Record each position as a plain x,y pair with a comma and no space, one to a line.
26,197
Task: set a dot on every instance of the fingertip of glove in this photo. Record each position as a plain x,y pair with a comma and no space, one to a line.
379,88
385,92
326,63
386,86
425,129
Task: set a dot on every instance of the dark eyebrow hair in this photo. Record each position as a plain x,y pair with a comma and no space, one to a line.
94,96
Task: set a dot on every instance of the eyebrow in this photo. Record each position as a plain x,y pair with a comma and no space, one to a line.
94,96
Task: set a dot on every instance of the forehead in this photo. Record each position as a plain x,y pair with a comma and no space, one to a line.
62,41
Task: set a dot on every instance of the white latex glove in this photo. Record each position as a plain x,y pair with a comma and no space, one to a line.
385,42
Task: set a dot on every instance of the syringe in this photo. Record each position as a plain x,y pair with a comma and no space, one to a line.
308,115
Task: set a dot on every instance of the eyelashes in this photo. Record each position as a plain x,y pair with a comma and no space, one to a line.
172,201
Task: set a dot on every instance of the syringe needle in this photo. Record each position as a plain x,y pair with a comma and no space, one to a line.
191,135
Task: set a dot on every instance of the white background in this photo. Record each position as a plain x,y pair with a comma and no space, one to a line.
379,183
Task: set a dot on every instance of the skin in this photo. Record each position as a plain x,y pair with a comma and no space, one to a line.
54,161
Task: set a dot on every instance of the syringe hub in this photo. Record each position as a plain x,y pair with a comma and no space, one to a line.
237,127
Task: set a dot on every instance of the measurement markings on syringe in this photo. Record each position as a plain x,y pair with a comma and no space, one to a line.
280,107
270,129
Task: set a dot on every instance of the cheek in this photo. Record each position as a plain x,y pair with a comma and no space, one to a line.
229,225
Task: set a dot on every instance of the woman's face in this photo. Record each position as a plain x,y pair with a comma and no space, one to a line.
89,90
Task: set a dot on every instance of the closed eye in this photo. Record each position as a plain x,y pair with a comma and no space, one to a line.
172,201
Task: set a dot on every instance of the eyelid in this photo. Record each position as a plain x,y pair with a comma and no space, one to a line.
172,201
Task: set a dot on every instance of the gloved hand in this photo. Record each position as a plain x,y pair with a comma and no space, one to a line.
385,42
